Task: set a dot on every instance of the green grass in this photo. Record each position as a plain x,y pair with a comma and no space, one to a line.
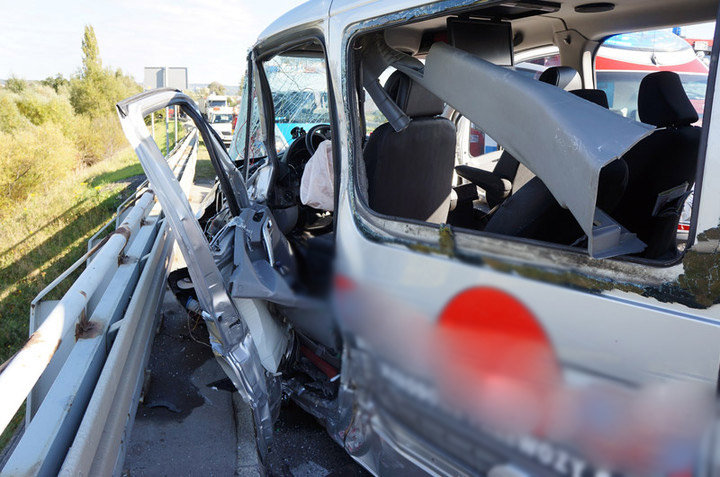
48,231
204,171
117,175
160,134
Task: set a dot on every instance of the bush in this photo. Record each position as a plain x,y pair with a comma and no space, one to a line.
97,138
41,107
15,84
30,158
52,127
10,116
59,83
96,94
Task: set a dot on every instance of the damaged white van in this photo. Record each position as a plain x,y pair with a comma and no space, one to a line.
535,316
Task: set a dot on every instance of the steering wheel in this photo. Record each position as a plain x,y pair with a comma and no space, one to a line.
321,131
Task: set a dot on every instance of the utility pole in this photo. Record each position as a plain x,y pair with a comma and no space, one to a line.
175,113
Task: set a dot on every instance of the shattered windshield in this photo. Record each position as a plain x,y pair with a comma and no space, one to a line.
299,91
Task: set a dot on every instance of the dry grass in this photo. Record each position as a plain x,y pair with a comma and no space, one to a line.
204,171
45,233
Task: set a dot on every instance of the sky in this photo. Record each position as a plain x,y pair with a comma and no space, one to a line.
40,38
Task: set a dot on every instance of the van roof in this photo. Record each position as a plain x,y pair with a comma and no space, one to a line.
312,11
627,15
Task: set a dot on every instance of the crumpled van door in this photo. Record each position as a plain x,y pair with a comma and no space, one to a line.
245,338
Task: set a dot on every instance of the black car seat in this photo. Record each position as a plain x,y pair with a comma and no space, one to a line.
662,166
534,213
596,96
410,172
509,175
564,77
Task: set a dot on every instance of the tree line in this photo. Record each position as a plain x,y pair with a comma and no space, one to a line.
51,127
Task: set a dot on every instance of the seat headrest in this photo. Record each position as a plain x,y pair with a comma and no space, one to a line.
596,96
662,101
564,77
413,99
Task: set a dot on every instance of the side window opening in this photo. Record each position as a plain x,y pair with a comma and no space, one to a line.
483,182
623,61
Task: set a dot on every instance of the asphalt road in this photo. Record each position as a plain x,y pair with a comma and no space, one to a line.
303,448
190,423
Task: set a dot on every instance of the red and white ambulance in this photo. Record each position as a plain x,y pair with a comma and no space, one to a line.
623,61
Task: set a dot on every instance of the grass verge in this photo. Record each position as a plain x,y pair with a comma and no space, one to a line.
47,232
204,171
160,134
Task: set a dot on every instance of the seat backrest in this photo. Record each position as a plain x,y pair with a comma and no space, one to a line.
596,96
662,101
534,213
662,166
410,172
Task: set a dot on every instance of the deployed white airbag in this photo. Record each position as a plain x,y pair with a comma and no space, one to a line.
317,183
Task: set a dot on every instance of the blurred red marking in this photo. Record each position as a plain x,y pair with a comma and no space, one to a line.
495,355
343,283
488,310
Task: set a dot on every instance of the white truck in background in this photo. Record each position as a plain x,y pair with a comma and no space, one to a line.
220,118
212,103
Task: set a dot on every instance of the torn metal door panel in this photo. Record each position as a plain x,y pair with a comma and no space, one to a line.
563,139
230,335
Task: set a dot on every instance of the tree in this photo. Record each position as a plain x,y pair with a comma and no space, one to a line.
91,52
15,84
216,88
57,82
95,90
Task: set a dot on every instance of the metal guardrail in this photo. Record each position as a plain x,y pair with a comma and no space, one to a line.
84,360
